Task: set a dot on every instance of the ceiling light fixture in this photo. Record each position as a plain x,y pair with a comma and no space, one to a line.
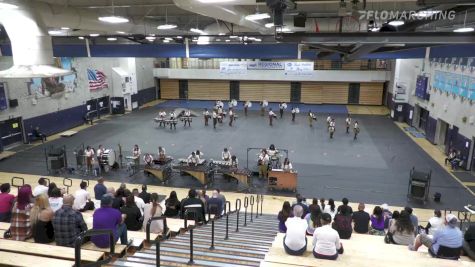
113,19
197,31
215,1
257,39
8,6
166,26
221,33
269,25
168,38
55,32
81,37
179,37
227,40
218,40
464,28
257,16
120,32
111,39
65,28
94,34
150,38
396,23
233,36
166,41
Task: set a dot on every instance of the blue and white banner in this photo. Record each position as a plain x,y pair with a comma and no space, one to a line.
298,68
265,65
454,83
233,67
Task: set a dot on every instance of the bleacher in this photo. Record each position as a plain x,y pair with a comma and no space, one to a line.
237,241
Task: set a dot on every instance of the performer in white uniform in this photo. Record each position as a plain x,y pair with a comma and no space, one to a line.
226,155
206,115
356,130
272,116
348,123
231,117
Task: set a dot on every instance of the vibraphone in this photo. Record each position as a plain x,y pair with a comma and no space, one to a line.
161,169
186,118
203,172
241,175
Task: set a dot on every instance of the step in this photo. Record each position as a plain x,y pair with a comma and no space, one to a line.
197,257
206,247
270,228
209,253
240,238
225,243
133,261
240,234
246,228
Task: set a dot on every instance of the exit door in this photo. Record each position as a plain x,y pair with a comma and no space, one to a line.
11,131
183,89
354,93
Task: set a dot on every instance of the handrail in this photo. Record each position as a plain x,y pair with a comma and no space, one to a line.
156,241
14,178
67,185
190,228
227,211
237,209
79,241
262,200
257,205
246,204
251,202
212,222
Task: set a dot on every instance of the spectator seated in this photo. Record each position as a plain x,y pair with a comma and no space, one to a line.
446,253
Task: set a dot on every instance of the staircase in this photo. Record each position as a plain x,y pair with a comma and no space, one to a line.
246,247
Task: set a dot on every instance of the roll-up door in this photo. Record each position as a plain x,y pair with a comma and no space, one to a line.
324,93
169,89
264,90
208,90
371,93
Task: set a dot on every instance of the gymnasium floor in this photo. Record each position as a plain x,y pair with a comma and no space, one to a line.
372,169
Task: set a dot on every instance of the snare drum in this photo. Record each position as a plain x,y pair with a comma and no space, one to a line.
108,157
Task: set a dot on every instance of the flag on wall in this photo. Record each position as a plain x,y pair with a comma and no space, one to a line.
97,79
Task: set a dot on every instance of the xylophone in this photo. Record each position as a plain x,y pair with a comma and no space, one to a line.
161,172
241,175
204,173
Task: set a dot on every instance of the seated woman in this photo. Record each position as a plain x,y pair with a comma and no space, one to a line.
313,219
342,222
56,199
451,156
283,215
326,241
41,216
434,223
20,224
287,166
469,242
153,209
133,219
377,222
272,151
401,230
295,239
172,205
6,203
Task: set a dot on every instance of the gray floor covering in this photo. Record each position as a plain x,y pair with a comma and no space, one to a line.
373,169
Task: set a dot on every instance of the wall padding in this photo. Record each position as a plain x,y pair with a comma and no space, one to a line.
208,90
371,93
324,93
169,89
264,90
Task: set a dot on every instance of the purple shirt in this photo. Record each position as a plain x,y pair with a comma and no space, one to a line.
377,225
6,201
105,218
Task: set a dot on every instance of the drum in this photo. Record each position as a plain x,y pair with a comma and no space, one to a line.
108,157
249,104
284,105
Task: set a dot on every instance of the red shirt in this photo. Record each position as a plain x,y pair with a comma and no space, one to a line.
6,201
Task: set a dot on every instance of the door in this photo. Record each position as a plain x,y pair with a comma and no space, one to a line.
354,93
11,131
234,90
423,117
183,89
295,92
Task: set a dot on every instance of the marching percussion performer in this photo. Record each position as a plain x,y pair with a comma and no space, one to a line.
272,151
311,117
89,153
272,116
187,118
199,154
136,155
331,128
348,123
264,105
282,107
294,111
172,120
162,115
220,114
231,117
148,159
234,161
287,166
215,118
161,154
100,152
226,155
206,116
247,105
193,159
356,130
263,163
329,119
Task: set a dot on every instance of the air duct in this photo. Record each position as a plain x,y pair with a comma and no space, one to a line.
31,45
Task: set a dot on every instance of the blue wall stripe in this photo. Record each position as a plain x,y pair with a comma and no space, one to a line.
146,95
56,122
6,50
462,50
272,51
146,50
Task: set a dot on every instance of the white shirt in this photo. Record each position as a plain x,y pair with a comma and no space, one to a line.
80,199
172,115
206,113
40,189
187,113
293,111
234,163
100,151
156,226
140,204
271,113
231,113
193,159
89,153
329,119
264,158
248,103
327,209
356,125
295,236
326,240
136,152
348,121
332,124
226,155
215,115
220,110
288,166
55,203
148,158
162,114
436,223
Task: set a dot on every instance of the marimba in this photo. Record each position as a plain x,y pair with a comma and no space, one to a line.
241,175
204,173
161,172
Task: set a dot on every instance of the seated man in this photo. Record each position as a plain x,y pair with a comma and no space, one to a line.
361,220
215,204
99,189
67,223
108,218
469,242
6,203
82,200
192,203
449,237
295,240
326,240
38,134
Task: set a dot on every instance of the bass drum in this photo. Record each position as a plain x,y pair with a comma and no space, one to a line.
109,157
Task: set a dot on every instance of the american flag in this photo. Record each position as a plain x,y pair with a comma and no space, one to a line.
97,79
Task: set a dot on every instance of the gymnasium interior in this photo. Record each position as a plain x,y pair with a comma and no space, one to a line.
372,101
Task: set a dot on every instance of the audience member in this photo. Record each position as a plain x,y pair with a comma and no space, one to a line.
40,216
301,202
172,205
215,204
51,187
348,209
322,204
314,203
342,222
401,232
153,209
108,218
20,224
221,196
361,220
133,216
283,215
414,219
100,189
330,208
82,200
203,196
469,242
387,215
119,196
6,203
193,204
434,223
56,199
448,236
313,218
138,201
295,239
68,223
41,188
144,195
394,217
326,241
377,221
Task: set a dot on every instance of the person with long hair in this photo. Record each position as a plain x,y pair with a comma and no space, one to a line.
40,216
342,222
313,218
377,222
51,186
329,208
133,219
20,224
153,209
172,205
401,232
326,241
285,213
56,199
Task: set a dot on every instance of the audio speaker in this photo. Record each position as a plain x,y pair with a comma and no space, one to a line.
13,103
299,20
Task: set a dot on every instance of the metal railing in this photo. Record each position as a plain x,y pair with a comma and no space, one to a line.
237,209
227,211
246,204
251,202
190,229
67,185
15,178
79,241
262,201
159,239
